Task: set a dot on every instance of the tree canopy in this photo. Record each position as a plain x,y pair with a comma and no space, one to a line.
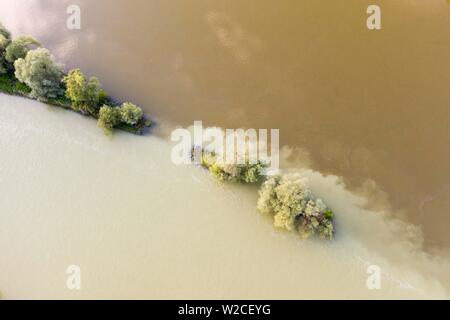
5,39
84,93
39,71
19,47
289,199
130,113
108,118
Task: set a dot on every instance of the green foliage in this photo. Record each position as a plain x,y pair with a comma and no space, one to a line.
5,39
328,214
85,94
39,71
109,117
10,85
4,32
245,172
19,47
102,97
130,113
38,76
289,199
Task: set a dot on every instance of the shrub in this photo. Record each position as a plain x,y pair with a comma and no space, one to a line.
39,71
85,94
290,200
130,113
246,172
108,118
19,47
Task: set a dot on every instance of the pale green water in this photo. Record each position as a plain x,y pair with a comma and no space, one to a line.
140,227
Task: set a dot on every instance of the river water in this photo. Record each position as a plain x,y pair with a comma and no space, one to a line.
139,226
368,106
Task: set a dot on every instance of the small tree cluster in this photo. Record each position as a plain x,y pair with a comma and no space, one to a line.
289,199
39,71
110,117
85,94
248,172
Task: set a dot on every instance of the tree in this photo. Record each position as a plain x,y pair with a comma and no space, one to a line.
85,94
5,39
39,71
289,199
109,117
3,44
19,47
130,113
5,32
236,172
286,197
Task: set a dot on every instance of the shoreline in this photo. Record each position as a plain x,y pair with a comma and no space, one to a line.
141,128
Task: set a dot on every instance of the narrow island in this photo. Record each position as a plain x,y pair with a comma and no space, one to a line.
29,70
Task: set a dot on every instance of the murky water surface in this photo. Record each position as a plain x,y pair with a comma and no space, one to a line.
365,105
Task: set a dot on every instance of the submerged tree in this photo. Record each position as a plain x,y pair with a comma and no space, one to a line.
130,113
85,94
19,47
109,117
289,199
39,71
246,171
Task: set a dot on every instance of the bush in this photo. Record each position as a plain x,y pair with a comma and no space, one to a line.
290,200
39,71
85,94
108,118
130,113
246,172
19,47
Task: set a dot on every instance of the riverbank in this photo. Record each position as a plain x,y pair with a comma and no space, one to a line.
142,227
10,85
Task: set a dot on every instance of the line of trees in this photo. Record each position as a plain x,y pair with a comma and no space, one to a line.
24,59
